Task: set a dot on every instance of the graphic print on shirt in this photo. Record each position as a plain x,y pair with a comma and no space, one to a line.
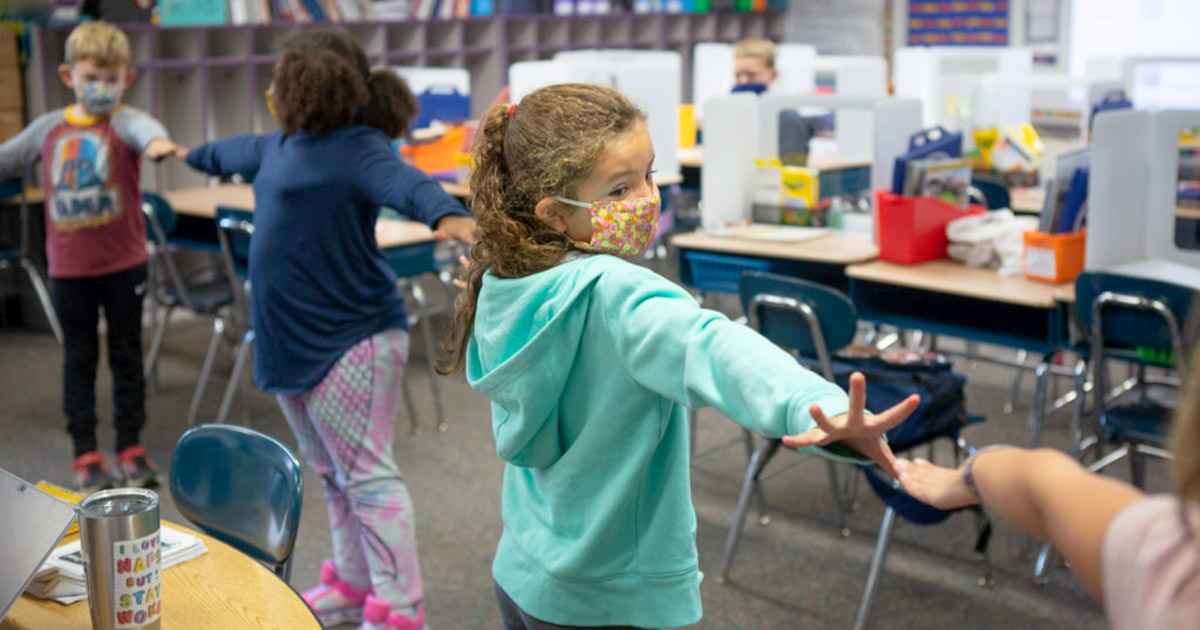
84,195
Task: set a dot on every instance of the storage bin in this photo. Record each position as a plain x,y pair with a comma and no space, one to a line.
720,272
1054,258
912,230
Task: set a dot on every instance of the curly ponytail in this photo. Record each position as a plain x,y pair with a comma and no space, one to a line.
543,148
391,107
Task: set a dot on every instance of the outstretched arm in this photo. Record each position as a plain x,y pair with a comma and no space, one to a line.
1043,493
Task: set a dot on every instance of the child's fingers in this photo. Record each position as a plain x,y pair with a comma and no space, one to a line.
459,284
897,414
812,437
858,393
886,459
464,261
822,420
440,236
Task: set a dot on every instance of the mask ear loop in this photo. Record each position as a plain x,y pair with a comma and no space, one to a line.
572,202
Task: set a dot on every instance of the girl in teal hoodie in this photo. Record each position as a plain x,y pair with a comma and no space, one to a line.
591,363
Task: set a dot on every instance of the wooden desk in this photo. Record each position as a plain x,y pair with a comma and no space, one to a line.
203,202
224,589
835,248
823,260
948,298
1027,200
693,157
945,276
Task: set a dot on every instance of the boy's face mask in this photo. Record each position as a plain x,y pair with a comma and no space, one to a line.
621,228
98,97
755,88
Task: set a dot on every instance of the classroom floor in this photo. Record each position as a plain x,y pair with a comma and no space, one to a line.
794,573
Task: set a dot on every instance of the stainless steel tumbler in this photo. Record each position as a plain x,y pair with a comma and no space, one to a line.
119,538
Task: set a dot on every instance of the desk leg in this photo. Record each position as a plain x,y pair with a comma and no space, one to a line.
426,323
39,287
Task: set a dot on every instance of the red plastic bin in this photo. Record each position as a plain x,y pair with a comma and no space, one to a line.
912,230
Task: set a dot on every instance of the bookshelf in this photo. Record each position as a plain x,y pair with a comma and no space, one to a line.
208,82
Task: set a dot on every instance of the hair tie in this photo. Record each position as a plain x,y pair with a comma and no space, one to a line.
512,109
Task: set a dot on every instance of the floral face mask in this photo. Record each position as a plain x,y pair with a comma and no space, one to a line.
621,228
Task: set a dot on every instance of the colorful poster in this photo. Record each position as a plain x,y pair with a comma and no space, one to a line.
961,23
137,583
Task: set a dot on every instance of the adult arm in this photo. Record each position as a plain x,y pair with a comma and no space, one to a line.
1043,493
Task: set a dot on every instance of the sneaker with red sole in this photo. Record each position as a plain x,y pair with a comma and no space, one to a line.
89,474
324,601
135,466
378,615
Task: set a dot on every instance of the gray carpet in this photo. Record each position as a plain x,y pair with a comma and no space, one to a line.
794,573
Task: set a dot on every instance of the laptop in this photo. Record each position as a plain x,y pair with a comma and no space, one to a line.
31,524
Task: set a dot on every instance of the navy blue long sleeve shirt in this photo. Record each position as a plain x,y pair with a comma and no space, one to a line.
318,280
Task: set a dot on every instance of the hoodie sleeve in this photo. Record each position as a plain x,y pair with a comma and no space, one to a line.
697,357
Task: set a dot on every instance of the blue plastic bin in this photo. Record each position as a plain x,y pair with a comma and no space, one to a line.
720,272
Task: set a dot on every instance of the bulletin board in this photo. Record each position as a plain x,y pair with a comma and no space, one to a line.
959,23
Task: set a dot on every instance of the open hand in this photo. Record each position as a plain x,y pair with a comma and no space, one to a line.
466,264
455,227
943,488
855,428
160,148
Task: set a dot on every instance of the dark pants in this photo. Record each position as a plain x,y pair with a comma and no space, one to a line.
514,618
78,302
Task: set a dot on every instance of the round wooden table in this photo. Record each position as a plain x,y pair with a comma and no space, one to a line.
223,588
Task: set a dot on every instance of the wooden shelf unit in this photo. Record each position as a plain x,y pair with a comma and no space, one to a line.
209,82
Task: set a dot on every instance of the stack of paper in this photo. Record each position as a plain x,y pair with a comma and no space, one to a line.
61,576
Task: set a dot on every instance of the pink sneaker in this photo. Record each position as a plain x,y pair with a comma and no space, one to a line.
378,615
326,608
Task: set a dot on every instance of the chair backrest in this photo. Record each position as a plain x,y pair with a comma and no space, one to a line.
995,194
10,187
809,318
1125,312
235,227
158,212
242,487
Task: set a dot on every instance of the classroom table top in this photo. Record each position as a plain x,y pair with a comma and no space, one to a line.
693,157
202,202
835,248
947,276
223,588
1026,200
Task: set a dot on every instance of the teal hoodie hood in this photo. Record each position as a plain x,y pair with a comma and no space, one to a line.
590,368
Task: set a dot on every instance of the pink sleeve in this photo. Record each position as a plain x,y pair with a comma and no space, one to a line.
1151,566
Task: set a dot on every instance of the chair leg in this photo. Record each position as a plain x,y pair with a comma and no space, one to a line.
39,287
760,498
839,507
235,379
881,549
1137,468
1010,404
406,390
758,461
150,369
284,570
1039,401
1042,565
426,325
206,369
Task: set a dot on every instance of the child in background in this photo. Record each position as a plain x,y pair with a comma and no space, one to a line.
331,331
91,155
589,362
754,65
1139,555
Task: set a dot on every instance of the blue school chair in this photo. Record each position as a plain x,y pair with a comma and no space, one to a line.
242,487
816,321
18,255
200,292
234,229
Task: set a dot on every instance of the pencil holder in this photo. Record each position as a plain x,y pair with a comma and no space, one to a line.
1054,258
912,230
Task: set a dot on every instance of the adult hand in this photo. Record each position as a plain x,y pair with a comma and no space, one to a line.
455,227
856,428
943,488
